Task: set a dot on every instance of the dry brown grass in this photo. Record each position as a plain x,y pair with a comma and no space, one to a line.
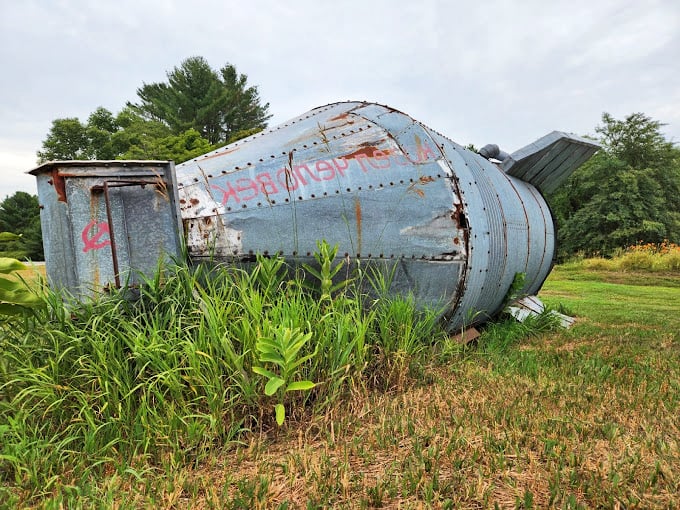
470,439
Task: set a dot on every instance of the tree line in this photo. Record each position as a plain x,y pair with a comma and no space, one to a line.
196,110
628,193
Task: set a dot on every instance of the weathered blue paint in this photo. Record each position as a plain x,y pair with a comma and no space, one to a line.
453,227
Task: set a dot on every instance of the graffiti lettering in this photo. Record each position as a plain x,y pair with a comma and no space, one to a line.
246,184
310,173
267,185
323,167
287,179
92,233
339,166
424,150
380,160
292,177
226,193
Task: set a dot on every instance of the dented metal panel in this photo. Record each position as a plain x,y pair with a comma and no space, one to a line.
105,223
453,227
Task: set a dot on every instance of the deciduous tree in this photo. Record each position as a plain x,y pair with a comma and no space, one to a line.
20,214
125,136
627,193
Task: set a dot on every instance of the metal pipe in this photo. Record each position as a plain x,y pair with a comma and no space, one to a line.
109,218
492,151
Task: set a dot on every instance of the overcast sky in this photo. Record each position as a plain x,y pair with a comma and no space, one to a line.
478,72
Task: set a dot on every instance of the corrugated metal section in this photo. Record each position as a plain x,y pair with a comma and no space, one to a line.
510,232
550,160
106,222
387,190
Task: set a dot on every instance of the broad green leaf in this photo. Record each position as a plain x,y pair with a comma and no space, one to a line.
272,385
299,362
11,285
267,344
7,309
312,271
300,386
20,297
264,372
280,414
7,265
9,236
272,358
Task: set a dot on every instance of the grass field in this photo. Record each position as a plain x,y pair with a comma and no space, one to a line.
583,418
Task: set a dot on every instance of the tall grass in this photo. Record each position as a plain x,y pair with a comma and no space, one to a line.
120,384
657,257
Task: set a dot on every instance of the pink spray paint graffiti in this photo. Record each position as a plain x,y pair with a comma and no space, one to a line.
92,234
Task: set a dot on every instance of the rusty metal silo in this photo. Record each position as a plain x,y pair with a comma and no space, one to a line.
454,227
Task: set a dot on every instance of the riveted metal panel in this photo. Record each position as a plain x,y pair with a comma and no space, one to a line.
388,191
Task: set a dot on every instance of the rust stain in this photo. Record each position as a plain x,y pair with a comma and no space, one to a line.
95,277
341,116
94,205
357,213
458,216
194,201
59,184
419,144
415,189
373,143
425,179
368,151
466,336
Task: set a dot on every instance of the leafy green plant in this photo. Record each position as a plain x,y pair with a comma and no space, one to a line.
268,273
15,296
325,256
515,291
281,350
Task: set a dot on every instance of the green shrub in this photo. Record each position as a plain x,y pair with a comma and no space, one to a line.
599,264
668,261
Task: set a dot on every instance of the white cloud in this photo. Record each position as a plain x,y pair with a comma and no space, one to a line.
13,166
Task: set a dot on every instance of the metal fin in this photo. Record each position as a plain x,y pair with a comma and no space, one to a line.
550,160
